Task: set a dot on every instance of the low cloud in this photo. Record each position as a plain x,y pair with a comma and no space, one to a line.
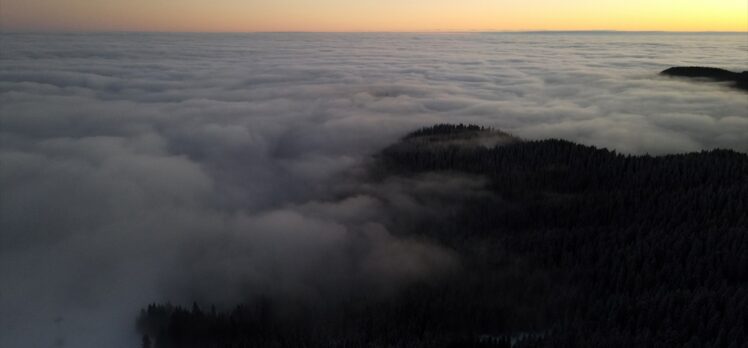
141,168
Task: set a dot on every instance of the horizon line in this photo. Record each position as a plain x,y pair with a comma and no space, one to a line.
534,31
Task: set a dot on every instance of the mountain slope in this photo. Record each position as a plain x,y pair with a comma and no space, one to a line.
566,245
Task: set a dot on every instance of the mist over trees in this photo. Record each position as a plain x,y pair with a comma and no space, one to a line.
565,245
179,167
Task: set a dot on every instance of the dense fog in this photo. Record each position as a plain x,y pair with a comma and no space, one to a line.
133,166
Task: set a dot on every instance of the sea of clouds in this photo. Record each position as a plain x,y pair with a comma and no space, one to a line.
176,167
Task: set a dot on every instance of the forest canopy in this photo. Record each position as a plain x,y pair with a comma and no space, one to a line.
566,246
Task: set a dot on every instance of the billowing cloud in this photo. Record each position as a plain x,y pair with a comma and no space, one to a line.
152,167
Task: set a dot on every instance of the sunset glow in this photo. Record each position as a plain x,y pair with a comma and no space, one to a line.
369,15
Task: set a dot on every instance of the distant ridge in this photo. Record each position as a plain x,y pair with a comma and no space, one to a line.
611,32
740,80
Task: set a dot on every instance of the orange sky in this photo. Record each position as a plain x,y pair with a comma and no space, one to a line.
373,15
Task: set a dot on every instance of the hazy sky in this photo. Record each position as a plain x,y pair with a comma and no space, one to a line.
374,15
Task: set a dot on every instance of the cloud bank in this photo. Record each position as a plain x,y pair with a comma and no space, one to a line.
151,167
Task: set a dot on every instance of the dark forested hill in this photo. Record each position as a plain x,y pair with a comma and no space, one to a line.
569,246
739,80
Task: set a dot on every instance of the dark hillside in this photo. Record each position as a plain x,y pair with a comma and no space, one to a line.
571,246
740,80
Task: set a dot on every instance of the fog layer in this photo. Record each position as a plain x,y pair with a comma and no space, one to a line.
176,167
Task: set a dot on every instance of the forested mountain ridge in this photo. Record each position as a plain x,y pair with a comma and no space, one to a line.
571,246
739,80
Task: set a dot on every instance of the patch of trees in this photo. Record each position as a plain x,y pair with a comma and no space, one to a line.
573,246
